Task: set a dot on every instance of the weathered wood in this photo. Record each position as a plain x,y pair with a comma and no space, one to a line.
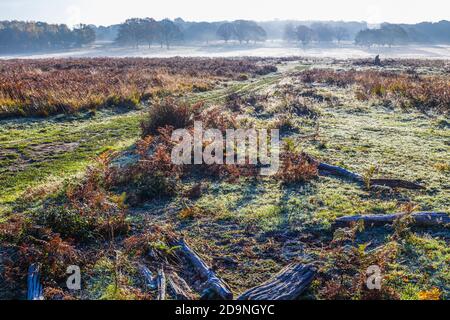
327,169
215,288
396,183
150,281
420,219
33,283
288,284
179,287
161,283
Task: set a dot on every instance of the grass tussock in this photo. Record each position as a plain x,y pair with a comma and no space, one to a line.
168,112
296,167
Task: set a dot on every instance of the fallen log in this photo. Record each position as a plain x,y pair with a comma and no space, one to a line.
161,284
215,288
419,219
148,276
288,284
179,287
33,283
396,183
327,170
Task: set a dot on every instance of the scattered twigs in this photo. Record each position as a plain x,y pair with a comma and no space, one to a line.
215,288
34,284
288,284
420,219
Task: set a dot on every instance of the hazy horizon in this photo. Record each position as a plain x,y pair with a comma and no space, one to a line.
103,12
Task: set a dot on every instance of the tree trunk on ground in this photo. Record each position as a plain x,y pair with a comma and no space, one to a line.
288,284
396,183
161,283
179,287
215,288
419,219
340,172
327,169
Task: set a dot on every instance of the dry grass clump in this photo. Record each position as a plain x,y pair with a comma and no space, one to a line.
105,211
46,87
168,112
154,242
87,217
296,167
343,275
24,242
424,93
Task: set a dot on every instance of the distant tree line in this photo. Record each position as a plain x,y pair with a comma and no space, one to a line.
28,36
148,31
395,34
242,31
136,32
386,35
317,32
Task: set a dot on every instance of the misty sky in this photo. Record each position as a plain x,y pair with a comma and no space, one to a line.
107,12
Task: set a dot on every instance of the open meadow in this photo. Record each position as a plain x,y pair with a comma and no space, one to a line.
87,177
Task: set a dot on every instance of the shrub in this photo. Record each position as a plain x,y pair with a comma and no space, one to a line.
344,272
167,112
101,209
153,175
296,167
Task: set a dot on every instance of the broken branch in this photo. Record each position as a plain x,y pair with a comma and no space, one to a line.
214,286
161,284
327,169
34,284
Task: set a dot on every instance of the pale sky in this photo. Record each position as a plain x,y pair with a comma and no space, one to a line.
107,12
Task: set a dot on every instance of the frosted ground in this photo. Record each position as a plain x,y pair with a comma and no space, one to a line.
268,49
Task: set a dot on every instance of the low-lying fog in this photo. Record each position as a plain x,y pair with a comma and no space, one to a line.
269,49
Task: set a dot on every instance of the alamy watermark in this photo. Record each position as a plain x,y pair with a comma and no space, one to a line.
374,278
74,280
241,146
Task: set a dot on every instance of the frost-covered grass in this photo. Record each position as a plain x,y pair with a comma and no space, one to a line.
249,228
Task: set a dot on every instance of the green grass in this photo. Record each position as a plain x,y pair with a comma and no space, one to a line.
262,224
42,147
244,216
